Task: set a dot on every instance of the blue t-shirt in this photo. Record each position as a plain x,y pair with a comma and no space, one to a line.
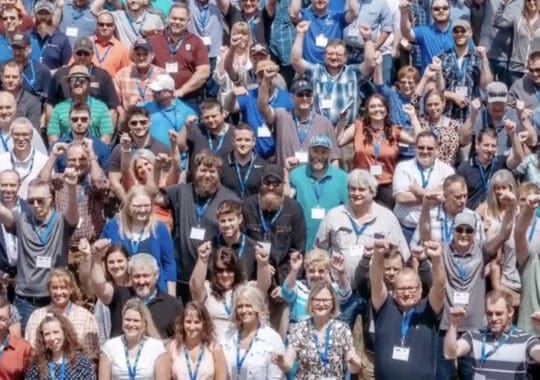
5,49
432,41
329,27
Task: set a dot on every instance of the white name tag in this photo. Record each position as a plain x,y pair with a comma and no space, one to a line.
355,251
188,47
264,131
461,90
400,353
197,233
460,298
318,213
352,32
43,262
207,41
375,169
321,41
266,245
171,67
72,31
79,224
301,156
326,104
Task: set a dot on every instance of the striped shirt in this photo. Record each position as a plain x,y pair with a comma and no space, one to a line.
508,361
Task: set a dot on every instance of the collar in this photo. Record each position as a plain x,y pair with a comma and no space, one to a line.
135,73
436,29
231,160
327,174
172,106
350,212
454,253
26,160
223,243
113,41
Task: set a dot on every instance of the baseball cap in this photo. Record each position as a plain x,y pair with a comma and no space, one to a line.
84,44
258,49
162,82
300,85
320,140
497,92
143,43
465,219
273,171
44,5
463,23
20,39
80,71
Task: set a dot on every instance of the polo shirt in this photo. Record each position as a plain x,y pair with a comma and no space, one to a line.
328,192
180,199
129,30
373,13
205,21
191,53
163,308
525,90
100,120
509,361
110,56
101,150
15,358
5,49
54,51
422,339
31,280
162,120
28,168
36,78
432,41
77,22
282,33
530,273
259,25
478,178
245,252
232,177
153,145
101,87
8,245
29,106
327,27
264,146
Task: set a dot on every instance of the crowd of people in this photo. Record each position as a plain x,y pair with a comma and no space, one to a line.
269,189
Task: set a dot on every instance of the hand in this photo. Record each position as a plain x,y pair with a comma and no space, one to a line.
508,199
337,263
173,139
236,40
535,318
378,58
59,149
191,121
510,127
433,198
276,294
353,360
460,100
365,32
419,253
524,113
431,71
433,249
223,52
302,27
70,177
369,249
523,136
476,104
270,76
295,261
278,359
88,146
409,110
291,162
260,251
381,246
482,52
404,6
239,90
163,160
457,314
261,256
84,247
532,201
101,246
204,251
125,142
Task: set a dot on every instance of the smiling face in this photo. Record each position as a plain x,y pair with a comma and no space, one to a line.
534,69
53,336
316,272
178,20
245,312
322,303
407,290
193,325
499,315
116,264
143,169
426,151
11,20
434,106
392,266
138,126
360,196
60,292
143,281
105,25
463,237
335,56
22,137
455,197
213,118
140,208
318,157
9,186
133,325
376,109
224,275
461,36
243,141
7,110
303,100
40,200
206,180
229,224
440,11
141,57
486,147
77,159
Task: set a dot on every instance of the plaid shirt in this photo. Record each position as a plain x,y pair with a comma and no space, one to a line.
468,77
282,33
131,89
90,200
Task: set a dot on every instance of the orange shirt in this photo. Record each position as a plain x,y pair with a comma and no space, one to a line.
111,57
15,358
364,154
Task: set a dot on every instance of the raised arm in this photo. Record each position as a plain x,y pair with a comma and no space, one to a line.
86,266
228,61
299,64
103,289
486,77
524,115
263,98
379,292
509,201
516,153
96,172
224,6
424,223
438,277
467,129
405,26
523,220
294,10
264,269
352,12
72,211
198,276
57,150
454,347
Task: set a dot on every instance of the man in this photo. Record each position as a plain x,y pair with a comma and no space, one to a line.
465,71
498,350
242,168
183,55
258,19
100,87
336,84
274,220
346,229
15,352
432,39
79,122
412,178
478,170
49,46
293,130
194,207
167,113
131,82
43,238
24,157
79,82
109,53
526,88
317,186
405,325
8,110
11,19
28,105
78,19
138,123
143,272
330,25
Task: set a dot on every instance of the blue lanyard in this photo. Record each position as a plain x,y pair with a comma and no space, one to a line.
4,142
44,46
3,345
317,187
424,179
251,25
203,19
243,181
52,372
102,58
76,15
405,324
29,169
377,146
132,370
302,132
227,307
211,142
134,243
43,238
82,190
324,354
532,228
193,375
173,50
142,91
131,21
151,297
328,88
171,122
485,180
462,70
447,226
199,210
33,80
499,343
462,271
240,359
267,225
358,230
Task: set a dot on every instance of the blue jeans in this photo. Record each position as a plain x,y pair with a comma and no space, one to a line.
500,71
25,309
407,232
446,368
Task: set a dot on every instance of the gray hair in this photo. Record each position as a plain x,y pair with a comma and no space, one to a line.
143,261
362,178
22,121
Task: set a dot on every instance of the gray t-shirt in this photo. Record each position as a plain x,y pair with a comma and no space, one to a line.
39,252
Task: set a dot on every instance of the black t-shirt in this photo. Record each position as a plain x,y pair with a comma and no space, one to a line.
229,177
199,138
153,145
245,251
259,27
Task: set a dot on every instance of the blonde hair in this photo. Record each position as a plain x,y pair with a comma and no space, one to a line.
67,278
316,289
257,300
144,154
125,220
501,177
137,305
317,257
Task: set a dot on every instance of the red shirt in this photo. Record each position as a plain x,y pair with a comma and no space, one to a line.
191,53
15,358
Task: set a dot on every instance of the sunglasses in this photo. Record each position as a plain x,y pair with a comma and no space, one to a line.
82,52
497,94
223,270
77,81
428,148
9,18
439,9
534,70
304,94
133,123
40,200
271,182
459,31
464,230
105,24
82,119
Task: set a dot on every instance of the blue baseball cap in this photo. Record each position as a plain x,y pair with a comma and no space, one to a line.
320,140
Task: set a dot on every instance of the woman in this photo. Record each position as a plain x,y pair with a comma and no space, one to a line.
195,354
65,298
502,194
138,353
376,144
216,294
57,352
248,346
524,24
450,132
321,344
136,228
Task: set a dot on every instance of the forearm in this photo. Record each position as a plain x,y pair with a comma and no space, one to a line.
504,233
381,40
516,154
450,342
72,210
290,280
294,10
117,188
106,139
97,275
195,82
96,172
171,288
468,127
296,53
264,278
228,65
405,26
485,73
532,138
438,277
407,198
424,224
46,172
196,282
378,75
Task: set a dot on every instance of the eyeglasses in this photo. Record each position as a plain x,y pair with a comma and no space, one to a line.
9,18
497,94
271,182
105,24
464,230
77,81
82,52
39,200
428,148
324,301
409,289
133,123
534,70
304,94
82,119
440,9
223,270
459,31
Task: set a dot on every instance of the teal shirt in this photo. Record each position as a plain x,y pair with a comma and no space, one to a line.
332,189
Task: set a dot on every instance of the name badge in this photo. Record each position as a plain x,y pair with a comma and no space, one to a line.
353,32
171,67
318,213
264,131
79,225
94,84
207,41
301,156
321,41
72,31
462,90
355,251
375,170
461,298
188,47
266,245
326,104
43,262
400,353
197,233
